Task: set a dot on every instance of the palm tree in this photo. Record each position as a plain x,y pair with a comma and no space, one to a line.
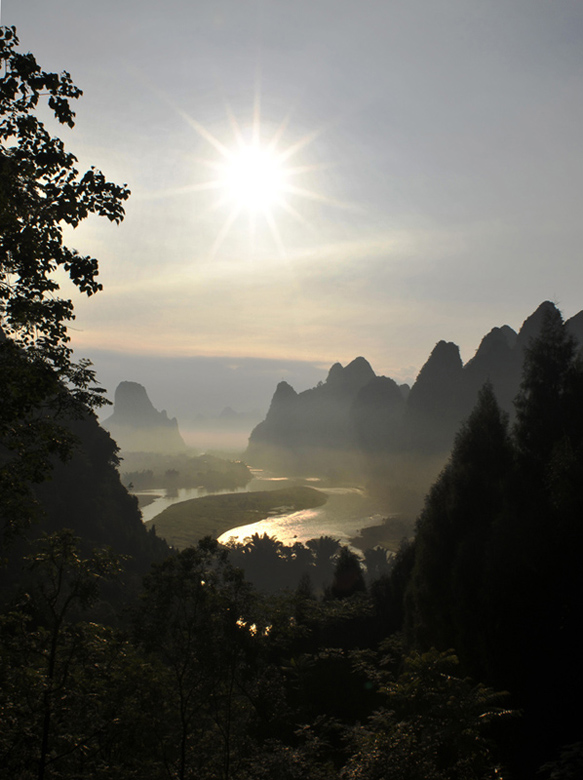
348,577
325,550
377,563
264,561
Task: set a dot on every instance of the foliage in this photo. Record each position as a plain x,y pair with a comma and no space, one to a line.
544,403
430,728
569,766
307,760
348,576
325,550
214,682
147,470
195,617
497,557
454,529
52,662
40,192
319,566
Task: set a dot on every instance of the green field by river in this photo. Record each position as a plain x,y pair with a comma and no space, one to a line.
184,524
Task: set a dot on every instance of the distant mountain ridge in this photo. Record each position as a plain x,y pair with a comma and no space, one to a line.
358,421
137,426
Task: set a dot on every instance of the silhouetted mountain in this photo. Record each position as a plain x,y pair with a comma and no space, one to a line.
531,326
496,360
433,405
313,429
377,414
368,422
137,426
349,380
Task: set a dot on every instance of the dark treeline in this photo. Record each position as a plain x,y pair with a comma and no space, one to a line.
271,566
205,676
147,470
495,570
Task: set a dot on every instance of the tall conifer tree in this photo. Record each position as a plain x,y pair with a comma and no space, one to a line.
444,594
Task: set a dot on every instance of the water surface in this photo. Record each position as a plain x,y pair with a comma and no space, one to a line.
165,499
346,511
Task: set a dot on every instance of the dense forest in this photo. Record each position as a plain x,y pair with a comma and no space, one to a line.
457,659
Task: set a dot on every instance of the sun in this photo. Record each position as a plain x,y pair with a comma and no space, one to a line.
255,175
255,178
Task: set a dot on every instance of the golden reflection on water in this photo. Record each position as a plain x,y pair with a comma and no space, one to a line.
288,528
345,513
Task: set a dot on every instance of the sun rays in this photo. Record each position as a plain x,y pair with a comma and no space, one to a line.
257,182
257,177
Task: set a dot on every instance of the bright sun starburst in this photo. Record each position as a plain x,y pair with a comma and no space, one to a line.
255,178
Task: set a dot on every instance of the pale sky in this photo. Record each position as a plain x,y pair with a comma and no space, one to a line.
438,182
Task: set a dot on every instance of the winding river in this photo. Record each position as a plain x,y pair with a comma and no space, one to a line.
162,499
345,513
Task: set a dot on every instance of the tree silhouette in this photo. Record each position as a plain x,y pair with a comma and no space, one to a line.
541,406
497,555
41,191
432,726
45,638
324,549
195,618
348,577
264,560
377,563
443,597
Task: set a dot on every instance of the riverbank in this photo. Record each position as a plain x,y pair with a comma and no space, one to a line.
388,534
185,523
145,499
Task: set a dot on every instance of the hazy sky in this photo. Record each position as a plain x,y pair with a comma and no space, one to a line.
437,172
